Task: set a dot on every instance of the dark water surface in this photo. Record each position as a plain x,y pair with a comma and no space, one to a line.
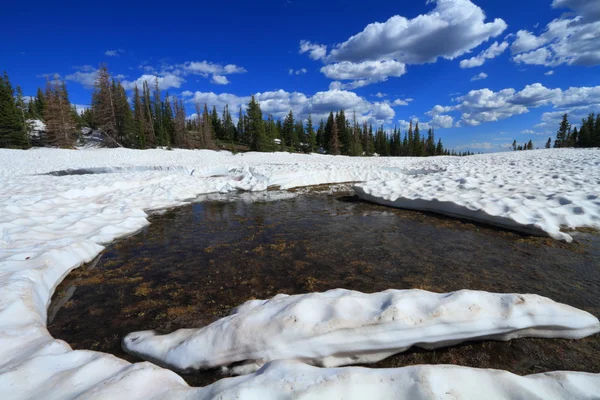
194,263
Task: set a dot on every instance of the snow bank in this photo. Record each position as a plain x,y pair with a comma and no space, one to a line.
524,192
341,327
294,380
52,224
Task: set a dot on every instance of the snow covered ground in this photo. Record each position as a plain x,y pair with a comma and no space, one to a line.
51,224
342,327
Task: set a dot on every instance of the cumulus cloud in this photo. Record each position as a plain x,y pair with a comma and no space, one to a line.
279,103
479,77
380,95
165,82
315,51
219,80
572,39
114,53
442,121
451,29
549,73
400,102
492,52
485,105
363,73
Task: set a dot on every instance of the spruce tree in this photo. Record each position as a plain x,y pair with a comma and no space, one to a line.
312,137
139,120
103,104
12,128
40,104
334,144
549,143
60,124
207,129
563,132
256,128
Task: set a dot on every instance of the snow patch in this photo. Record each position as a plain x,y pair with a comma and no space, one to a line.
341,327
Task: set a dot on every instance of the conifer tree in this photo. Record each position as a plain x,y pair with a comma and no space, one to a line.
103,104
207,129
563,132
549,143
334,145
40,104
241,129
139,120
148,117
13,132
256,128
123,115
60,125
310,132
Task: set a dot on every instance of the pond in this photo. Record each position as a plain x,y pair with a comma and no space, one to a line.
193,264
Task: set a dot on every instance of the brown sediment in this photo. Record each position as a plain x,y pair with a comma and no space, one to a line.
193,264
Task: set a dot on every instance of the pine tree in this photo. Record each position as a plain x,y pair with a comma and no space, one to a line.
139,120
60,125
148,117
549,143
103,104
256,127
123,115
40,104
216,123
312,139
439,150
563,132
334,144
514,145
13,132
158,114
228,127
207,129
241,129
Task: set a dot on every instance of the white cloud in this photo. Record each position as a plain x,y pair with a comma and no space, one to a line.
485,105
300,71
380,95
400,102
526,41
315,51
187,93
363,73
572,39
542,56
442,121
492,52
219,80
165,82
451,29
114,53
549,73
86,77
479,77
279,103
205,68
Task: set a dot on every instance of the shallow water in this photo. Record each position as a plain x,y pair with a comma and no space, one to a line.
194,263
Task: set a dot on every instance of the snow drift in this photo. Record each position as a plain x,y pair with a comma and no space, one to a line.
341,327
52,224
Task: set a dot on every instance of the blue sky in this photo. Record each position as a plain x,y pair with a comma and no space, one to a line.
481,72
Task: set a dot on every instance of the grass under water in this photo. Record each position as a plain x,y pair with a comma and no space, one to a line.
194,263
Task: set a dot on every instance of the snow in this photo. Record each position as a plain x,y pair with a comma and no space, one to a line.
52,224
533,192
341,327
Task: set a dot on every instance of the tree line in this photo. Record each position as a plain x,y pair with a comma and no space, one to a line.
588,134
154,119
